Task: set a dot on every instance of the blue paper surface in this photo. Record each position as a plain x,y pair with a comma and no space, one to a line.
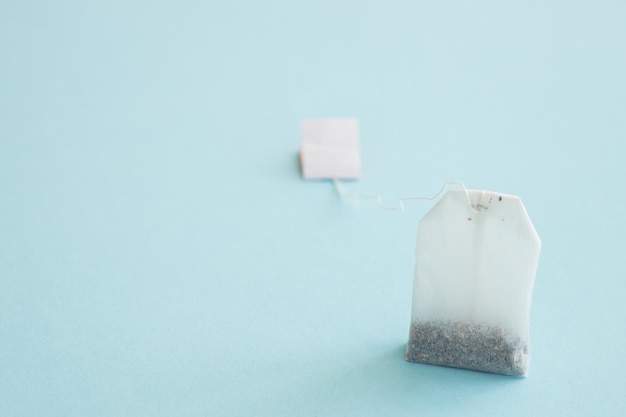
160,254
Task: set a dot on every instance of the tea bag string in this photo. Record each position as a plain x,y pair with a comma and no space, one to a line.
356,198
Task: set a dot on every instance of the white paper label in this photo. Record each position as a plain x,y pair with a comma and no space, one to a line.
330,149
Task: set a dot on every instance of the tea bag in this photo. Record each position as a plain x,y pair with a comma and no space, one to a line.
476,259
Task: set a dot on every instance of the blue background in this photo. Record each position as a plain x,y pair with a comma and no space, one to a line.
160,254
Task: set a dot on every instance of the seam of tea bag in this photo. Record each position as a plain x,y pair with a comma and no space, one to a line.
356,198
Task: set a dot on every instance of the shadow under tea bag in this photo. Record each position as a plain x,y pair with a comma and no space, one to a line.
474,274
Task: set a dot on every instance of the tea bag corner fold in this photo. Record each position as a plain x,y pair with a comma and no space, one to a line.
475,269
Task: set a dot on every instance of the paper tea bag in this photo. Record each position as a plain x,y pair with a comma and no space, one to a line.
474,274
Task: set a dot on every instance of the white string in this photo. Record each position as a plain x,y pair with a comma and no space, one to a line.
355,198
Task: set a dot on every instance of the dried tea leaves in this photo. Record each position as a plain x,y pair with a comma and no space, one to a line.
470,346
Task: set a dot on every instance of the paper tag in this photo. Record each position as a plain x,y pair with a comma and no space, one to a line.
330,149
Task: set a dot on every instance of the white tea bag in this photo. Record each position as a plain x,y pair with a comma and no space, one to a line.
474,274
